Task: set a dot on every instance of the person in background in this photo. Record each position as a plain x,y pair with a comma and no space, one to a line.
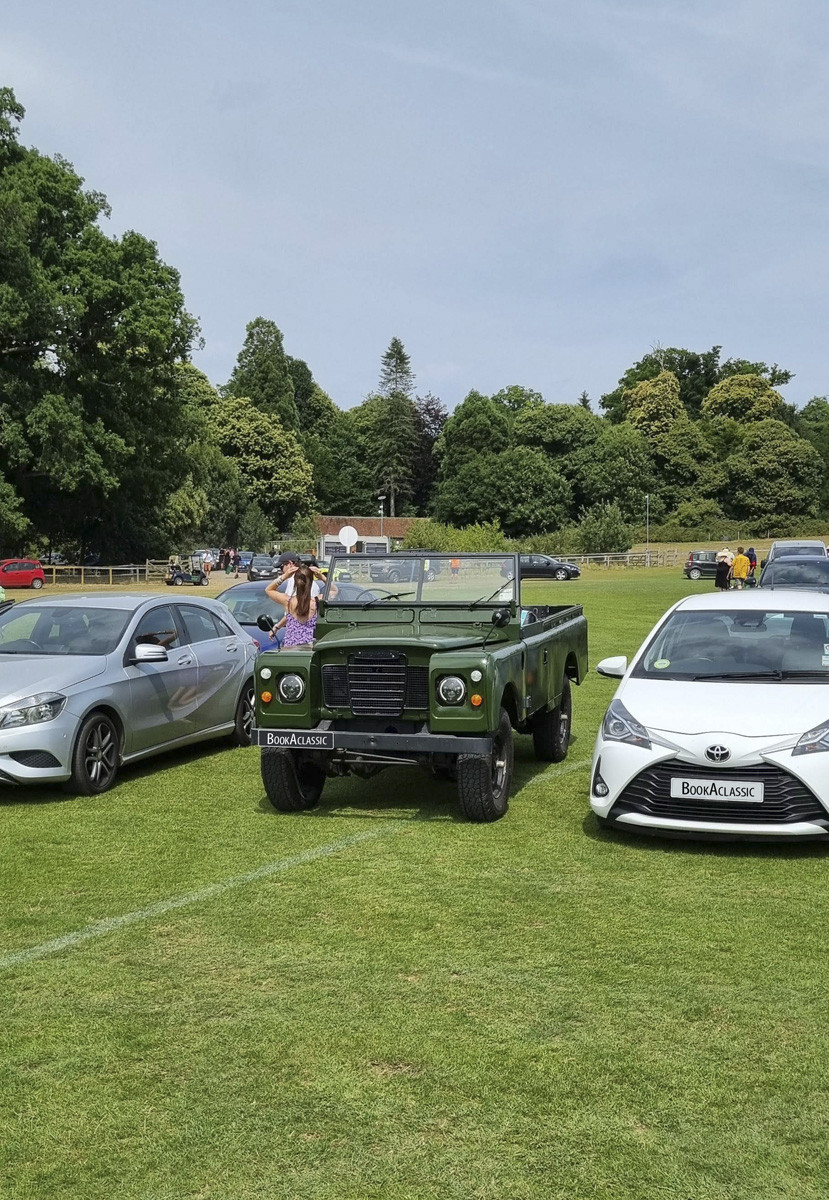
237,562
207,563
289,563
723,572
751,555
739,569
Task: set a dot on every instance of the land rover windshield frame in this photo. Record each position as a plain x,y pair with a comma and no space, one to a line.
425,580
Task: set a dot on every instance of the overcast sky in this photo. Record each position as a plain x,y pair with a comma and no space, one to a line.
524,191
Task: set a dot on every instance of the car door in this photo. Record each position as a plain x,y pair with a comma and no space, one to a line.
164,696
542,566
221,657
11,575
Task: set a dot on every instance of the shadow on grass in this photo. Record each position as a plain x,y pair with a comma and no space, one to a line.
717,845
414,787
58,793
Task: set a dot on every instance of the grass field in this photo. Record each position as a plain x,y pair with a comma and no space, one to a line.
402,1005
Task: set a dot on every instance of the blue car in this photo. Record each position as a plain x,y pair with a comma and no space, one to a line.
247,602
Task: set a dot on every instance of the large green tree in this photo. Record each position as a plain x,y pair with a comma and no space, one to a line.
774,475
697,374
91,331
275,473
518,487
262,373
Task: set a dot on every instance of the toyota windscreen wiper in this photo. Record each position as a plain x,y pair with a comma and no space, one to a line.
778,675
388,596
790,674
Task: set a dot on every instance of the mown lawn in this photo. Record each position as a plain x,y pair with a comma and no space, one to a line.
528,1009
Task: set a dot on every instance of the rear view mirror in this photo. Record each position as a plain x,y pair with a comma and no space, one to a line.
612,668
265,623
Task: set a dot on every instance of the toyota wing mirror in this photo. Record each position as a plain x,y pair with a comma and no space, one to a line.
612,668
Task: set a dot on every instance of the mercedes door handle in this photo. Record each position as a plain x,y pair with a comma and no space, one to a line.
186,661
232,649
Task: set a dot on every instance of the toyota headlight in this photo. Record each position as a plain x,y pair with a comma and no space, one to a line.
451,689
291,688
619,726
814,741
32,711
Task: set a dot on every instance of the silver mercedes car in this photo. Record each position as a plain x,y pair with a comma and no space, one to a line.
89,683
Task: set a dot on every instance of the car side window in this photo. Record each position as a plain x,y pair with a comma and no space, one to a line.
524,559
198,623
12,566
224,629
539,560
158,628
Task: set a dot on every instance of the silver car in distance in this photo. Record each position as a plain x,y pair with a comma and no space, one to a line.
88,683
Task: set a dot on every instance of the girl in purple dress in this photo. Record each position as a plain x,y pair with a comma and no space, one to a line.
300,606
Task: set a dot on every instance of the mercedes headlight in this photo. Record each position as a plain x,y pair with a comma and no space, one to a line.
291,688
619,726
451,689
814,741
32,711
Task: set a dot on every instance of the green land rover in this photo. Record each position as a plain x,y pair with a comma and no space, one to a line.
437,670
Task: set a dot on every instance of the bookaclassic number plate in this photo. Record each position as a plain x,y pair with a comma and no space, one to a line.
737,791
293,739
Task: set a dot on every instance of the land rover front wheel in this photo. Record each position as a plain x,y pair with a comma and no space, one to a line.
484,782
291,784
551,728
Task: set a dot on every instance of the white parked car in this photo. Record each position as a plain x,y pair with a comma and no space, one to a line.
720,726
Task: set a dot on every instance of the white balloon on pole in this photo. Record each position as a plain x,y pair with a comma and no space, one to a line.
349,536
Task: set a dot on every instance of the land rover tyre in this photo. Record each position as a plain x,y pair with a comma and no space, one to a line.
96,756
551,728
561,574
695,573
291,784
243,720
484,782
37,584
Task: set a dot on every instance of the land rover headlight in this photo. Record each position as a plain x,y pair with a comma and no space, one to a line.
451,689
32,711
619,726
291,688
814,741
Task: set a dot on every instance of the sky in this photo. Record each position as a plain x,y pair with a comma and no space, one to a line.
526,192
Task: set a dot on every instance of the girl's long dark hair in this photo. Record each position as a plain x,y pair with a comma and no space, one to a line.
303,582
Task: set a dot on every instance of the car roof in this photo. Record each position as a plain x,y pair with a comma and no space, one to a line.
798,560
757,598
799,542
128,601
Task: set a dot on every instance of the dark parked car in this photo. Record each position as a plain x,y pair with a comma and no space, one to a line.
800,571
700,564
542,566
262,566
793,548
404,569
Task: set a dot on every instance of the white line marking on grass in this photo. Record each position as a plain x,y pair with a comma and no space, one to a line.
585,762
111,924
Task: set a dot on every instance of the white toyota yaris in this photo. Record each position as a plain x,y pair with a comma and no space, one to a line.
720,726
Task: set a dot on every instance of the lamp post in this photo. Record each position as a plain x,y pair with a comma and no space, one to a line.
382,500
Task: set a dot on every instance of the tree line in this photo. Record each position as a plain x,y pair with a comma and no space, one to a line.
112,440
